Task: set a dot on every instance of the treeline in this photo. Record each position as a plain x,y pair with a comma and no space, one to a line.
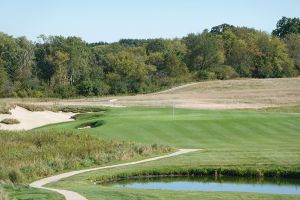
65,67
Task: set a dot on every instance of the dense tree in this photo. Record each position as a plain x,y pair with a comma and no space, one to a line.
238,53
203,51
287,26
3,77
293,44
57,66
271,59
221,28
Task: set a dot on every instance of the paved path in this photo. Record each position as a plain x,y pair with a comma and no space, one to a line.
69,195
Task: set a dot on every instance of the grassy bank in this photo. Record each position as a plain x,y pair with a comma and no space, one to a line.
200,171
283,109
240,143
26,156
96,192
23,192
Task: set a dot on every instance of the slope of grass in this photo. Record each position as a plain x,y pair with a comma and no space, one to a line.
22,192
233,141
26,156
206,129
96,192
283,109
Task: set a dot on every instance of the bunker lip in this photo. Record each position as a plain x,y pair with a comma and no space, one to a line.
29,120
91,124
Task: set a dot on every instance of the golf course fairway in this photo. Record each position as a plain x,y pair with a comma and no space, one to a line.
234,141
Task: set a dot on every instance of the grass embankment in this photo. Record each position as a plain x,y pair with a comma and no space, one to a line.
73,109
243,143
27,156
285,109
5,107
23,192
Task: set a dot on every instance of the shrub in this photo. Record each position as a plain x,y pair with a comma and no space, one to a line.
15,176
224,72
10,121
31,107
78,109
92,124
22,93
65,91
205,75
4,108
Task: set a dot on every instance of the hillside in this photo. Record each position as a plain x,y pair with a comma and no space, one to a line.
228,94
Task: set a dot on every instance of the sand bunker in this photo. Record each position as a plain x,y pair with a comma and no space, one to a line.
29,120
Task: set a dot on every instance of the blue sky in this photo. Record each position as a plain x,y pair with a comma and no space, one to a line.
111,20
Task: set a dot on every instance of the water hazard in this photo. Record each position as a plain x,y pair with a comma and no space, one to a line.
266,185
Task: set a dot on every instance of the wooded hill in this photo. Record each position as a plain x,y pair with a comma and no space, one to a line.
58,66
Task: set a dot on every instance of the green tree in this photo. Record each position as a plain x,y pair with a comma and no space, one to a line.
203,51
156,45
3,78
9,55
292,42
221,28
287,26
238,53
128,73
271,59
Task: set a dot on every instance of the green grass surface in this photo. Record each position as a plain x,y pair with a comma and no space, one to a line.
21,192
231,140
206,129
97,192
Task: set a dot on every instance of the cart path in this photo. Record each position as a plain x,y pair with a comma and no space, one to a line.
69,195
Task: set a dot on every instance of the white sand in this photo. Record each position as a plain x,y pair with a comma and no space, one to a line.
29,120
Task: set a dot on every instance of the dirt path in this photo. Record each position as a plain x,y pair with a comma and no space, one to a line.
69,195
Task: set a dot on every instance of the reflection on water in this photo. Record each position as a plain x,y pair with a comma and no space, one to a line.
265,185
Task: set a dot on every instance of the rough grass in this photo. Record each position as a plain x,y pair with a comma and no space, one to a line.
218,94
283,109
74,109
91,124
3,195
5,107
194,172
26,156
10,121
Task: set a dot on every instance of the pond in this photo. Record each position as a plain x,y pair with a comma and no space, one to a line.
265,185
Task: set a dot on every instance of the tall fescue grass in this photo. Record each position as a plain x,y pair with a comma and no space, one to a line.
286,109
3,195
200,171
55,108
5,107
26,156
